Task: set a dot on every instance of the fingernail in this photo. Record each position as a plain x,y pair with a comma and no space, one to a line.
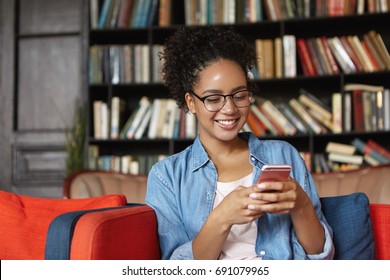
253,195
251,207
261,186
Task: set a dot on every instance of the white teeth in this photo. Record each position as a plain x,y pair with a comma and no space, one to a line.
227,122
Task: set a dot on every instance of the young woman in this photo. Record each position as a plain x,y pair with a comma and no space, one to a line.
207,200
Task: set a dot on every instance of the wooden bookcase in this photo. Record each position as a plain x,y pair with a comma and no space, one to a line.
284,88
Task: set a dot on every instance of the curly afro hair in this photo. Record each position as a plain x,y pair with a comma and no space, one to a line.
192,49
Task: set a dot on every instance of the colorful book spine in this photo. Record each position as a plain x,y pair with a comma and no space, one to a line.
363,148
379,148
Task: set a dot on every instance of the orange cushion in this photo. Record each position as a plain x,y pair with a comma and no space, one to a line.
128,233
380,216
24,221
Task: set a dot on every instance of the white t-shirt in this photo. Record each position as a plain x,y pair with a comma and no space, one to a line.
240,243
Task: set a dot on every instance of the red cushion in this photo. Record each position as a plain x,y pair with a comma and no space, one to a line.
125,233
24,221
380,216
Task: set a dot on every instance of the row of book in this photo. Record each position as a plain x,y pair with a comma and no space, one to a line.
117,64
347,156
128,164
319,56
278,57
349,54
360,108
160,118
109,14
336,157
285,9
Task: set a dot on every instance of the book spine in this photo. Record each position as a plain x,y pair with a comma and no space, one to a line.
363,148
358,116
379,148
337,116
304,56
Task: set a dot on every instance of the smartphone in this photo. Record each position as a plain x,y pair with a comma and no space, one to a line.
274,173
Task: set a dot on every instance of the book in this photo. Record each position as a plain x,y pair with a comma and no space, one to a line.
337,112
344,158
156,107
314,56
143,106
332,61
363,148
341,55
124,13
278,57
164,18
255,124
305,58
105,123
287,127
340,148
143,126
368,113
379,148
94,14
386,109
360,51
260,57
357,86
375,63
309,100
269,71
370,160
97,119
374,51
358,114
104,13
377,39
347,111
380,113
302,112
118,106
293,117
169,119
322,56
352,54
289,52
259,114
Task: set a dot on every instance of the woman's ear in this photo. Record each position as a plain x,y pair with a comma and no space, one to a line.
190,103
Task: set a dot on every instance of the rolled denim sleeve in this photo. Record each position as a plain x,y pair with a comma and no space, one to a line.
174,240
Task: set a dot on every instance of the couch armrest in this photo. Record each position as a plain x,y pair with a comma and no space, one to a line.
380,216
122,233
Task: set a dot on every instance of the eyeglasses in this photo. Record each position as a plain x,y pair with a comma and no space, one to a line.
213,103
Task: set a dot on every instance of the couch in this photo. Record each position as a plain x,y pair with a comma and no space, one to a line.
129,231
375,183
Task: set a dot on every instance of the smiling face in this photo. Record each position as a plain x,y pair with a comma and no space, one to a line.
221,77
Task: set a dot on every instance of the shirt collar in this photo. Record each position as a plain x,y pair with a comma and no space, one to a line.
200,157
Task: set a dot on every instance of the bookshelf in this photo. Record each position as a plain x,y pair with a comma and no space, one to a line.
276,89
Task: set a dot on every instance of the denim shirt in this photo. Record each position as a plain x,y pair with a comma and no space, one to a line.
181,190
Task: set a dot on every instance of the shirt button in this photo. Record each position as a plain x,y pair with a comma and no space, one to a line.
252,158
262,253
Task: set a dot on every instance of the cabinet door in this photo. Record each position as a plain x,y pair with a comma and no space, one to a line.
42,68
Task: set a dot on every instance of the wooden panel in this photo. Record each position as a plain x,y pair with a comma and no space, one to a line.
48,16
49,82
38,164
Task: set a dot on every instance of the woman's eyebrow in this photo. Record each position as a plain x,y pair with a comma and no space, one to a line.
220,91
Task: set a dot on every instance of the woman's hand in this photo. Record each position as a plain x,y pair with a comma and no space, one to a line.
278,197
